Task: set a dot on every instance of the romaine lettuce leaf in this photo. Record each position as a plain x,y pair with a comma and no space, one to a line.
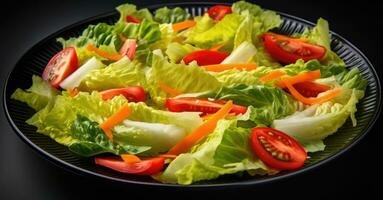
171,15
131,10
176,51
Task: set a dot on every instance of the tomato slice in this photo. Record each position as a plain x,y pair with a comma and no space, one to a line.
205,57
310,89
191,104
132,19
144,167
129,48
288,50
218,12
60,66
276,149
132,93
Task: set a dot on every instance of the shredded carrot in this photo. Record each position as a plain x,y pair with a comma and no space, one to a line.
104,54
173,92
183,25
202,131
171,156
223,67
115,119
129,158
218,46
330,94
122,37
285,37
73,92
272,75
308,76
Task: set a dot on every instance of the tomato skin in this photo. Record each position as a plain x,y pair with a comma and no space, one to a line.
191,104
205,57
132,93
144,167
310,89
218,12
132,19
60,66
290,155
288,50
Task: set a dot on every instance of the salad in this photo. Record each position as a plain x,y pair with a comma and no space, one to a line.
185,99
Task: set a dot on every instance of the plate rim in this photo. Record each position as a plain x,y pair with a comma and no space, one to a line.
247,183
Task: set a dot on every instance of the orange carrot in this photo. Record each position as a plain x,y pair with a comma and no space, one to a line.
308,76
73,92
122,37
218,46
173,92
104,54
115,119
202,131
128,158
167,156
183,25
330,94
223,67
272,75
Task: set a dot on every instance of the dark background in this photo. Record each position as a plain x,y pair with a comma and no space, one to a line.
24,174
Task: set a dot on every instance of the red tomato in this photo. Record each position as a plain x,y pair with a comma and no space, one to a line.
310,89
129,48
60,66
288,50
276,149
132,19
144,167
205,57
132,93
191,104
218,12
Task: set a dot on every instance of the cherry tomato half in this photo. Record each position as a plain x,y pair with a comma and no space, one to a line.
132,19
144,167
276,149
191,104
218,12
310,89
205,57
60,66
132,93
288,50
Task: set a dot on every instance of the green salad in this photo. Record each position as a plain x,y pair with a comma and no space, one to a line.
185,99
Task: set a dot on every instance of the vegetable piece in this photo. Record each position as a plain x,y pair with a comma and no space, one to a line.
115,119
191,104
74,80
217,47
132,93
205,57
288,50
60,66
131,19
223,67
129,158
202,131
310,89
129,48
276,149
170,156
173,92
73,92
218,12
328,95
145,167
242,54
104,54
183,25
303,77
272,75
171,15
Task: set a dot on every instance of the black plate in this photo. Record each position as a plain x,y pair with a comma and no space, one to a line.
37,57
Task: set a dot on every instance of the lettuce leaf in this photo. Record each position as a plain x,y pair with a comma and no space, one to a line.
171,15
235,76
176,51
131,10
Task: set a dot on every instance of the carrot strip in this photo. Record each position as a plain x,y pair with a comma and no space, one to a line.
183,25
272,75
122,37
308,76
128,158
330,94
285,37
218,46
202,131
115,119
173,92
223,67
73,92
167,156
104,54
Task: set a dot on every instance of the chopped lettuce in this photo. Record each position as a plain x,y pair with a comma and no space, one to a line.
131,10
171,15
176,51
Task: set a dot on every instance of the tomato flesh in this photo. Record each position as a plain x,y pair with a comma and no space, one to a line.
288,50
276,149
60,66
218,12
132,19
191,104
144,167
205,57
132,93
129,48
310,89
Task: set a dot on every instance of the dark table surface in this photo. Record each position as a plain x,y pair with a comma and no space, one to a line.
26,175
